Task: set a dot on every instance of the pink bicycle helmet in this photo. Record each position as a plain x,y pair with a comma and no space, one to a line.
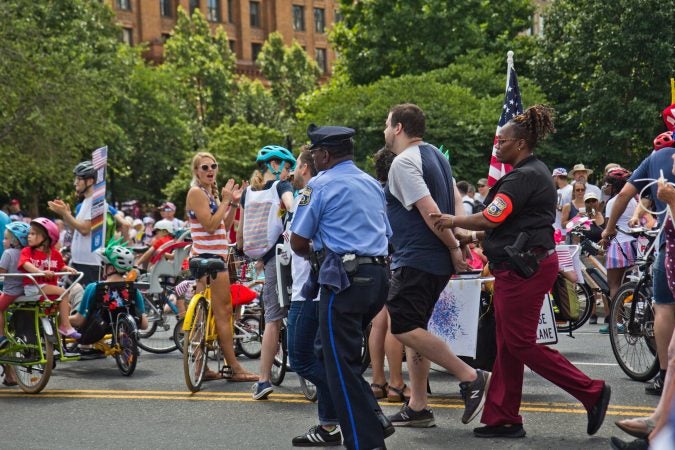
49,227
664,140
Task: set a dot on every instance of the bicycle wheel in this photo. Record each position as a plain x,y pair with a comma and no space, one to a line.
179,334
159,336
251,342
34,377
152,311
633,341
308,389
280,360
194,354
127,358
585,296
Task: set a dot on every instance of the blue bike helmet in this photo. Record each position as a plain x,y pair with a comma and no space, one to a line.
272,152
20,231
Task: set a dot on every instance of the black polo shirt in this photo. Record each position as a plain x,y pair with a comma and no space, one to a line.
522,200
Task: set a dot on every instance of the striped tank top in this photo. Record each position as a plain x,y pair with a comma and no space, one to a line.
204,242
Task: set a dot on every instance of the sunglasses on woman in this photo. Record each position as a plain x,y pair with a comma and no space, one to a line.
206,167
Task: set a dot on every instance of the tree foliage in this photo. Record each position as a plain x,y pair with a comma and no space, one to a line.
57,88
605,66
462,104
203,64
379,38
289,70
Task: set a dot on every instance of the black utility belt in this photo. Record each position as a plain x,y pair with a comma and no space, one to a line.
380,260
538,255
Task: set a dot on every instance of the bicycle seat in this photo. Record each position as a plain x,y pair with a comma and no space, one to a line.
203,266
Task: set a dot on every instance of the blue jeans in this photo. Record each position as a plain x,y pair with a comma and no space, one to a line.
302,326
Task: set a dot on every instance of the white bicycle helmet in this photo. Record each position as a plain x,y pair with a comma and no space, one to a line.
118,256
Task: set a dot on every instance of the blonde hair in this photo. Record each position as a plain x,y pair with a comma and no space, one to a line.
195,166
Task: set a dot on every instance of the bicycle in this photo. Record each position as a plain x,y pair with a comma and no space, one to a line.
631,328
583,289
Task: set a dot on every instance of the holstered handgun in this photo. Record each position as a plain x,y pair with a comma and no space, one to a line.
524,263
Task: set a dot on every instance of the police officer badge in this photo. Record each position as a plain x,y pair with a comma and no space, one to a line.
305,196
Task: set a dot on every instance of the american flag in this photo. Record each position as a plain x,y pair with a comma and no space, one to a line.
99,157
512,106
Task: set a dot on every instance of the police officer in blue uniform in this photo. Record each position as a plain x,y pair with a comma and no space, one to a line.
341,226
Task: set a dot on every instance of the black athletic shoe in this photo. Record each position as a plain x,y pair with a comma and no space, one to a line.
655,387
387,427
318,437
596,415
500,431
638,444
408,417
474,394
593,320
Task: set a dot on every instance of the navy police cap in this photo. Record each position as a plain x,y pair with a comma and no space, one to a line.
328,136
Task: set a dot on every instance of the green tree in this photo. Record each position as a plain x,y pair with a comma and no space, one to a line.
605,67
203,64
253,103
379,38
235,147
462,103
289,70
155,136
58,75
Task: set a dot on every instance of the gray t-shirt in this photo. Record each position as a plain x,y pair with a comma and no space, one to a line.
10,262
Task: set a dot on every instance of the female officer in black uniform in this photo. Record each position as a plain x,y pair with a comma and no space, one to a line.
524,200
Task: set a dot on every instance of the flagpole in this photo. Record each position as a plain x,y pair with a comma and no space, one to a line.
509,66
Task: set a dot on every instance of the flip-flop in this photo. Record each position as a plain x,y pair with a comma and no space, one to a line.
382,390
642,430
243,377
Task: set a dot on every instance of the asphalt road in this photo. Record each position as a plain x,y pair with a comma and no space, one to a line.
89,404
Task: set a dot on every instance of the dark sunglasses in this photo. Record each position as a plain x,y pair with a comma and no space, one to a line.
206,167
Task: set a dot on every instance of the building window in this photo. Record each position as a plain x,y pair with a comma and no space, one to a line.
127,36
165,37
338,16
256,48
298,18
194,4
124,5
321,59
165,8
213,11
255,14
233,45
230,13
319,20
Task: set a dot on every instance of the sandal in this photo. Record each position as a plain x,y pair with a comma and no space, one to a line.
639,428
244,376
211,375
398,395
9,383
382,388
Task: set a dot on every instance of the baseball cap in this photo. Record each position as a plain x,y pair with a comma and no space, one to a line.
559,172
168,206
591,196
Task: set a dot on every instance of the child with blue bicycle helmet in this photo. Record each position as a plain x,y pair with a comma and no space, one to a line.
15,238
264,204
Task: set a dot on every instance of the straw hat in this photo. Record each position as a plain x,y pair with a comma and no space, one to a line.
579,168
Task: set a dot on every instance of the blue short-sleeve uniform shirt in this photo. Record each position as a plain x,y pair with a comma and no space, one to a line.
343,209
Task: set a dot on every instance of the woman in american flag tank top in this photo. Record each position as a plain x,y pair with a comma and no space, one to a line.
209,220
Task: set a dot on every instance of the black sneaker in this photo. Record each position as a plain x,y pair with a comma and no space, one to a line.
407,417
593,320
655,387
500,431
596,415
638,444
317,436
474,393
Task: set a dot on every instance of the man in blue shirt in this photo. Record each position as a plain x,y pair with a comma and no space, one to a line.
341,225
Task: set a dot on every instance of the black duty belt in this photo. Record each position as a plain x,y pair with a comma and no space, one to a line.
381,260
539,253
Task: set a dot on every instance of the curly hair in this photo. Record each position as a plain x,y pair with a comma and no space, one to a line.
534,124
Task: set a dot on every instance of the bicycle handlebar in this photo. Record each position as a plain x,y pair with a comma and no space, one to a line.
32,276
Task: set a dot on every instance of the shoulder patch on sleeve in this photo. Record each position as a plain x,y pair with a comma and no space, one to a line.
500,208
305,196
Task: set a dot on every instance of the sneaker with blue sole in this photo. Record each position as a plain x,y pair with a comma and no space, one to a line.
261,390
